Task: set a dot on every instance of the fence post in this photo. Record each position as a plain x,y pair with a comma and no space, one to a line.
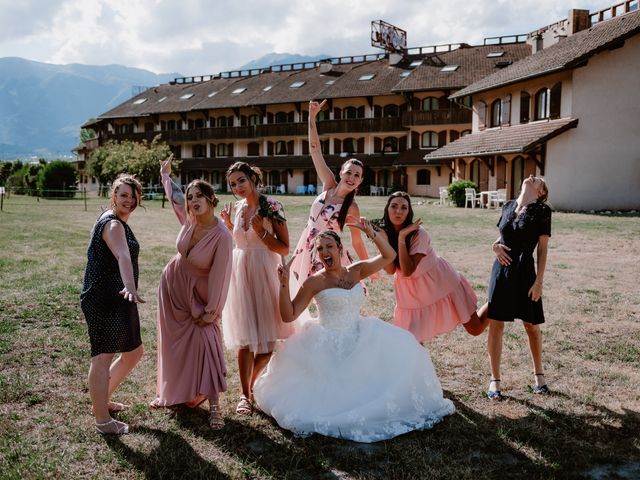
84,194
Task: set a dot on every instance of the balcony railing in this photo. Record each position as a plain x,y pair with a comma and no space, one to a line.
298,129
360,125
437,117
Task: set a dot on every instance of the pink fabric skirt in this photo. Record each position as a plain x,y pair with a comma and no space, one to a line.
435,299
251,317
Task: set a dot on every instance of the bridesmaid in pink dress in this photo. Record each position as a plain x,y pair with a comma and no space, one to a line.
191,296
329,210
251,320
431,296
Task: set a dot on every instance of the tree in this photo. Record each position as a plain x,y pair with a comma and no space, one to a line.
5,171
86,134
58,179
140,159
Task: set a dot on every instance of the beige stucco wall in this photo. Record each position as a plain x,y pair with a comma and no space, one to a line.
431,190
597,165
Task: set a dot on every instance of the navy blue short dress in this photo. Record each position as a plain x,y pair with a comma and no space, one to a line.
509,285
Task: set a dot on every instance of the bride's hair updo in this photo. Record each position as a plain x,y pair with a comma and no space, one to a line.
331,235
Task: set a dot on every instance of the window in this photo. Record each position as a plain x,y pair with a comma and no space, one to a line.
199,150
390,111
162,99
255,120
424,177
199,123
186,96
430,103
297,84
449,68
554,104
543,103
140,101
281,148
429,140
465,132
222,150
267,88
281,117
525,102
466,101
211,94
406,73
329,82
239,90
494,54
253,149
390,145
350,112
349,145
415,63
496,113
366,77
223,122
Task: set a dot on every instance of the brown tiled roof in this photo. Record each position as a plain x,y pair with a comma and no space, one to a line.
569,53
350,85
473,65
493,141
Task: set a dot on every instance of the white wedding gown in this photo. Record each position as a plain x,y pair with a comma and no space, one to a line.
351,377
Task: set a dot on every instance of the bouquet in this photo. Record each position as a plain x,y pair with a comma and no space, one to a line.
270,208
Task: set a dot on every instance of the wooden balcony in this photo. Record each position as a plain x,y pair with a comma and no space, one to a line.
361,125
437,117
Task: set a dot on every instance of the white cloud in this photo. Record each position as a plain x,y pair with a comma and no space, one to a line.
199,37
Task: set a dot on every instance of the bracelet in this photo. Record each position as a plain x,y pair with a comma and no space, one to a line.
371,237
264,235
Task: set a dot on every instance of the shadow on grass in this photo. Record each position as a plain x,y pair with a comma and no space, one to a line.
172,458
546,442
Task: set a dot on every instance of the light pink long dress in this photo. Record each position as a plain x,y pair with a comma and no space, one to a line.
435,298
191,358
251,318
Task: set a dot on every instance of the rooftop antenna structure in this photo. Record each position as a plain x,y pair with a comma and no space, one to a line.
391,39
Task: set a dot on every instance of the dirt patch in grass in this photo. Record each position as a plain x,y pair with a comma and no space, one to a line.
589,426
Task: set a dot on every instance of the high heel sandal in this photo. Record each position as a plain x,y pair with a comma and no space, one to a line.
112,427
216,420
494,394
540,389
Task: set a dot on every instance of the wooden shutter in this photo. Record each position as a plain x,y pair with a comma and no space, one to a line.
290,117
402,144
230,150
269,148
305,147
361,145
337,113
290,147
337,146
360,112
554,108
377,144
377,111
505,111
482,114
269,117
442,138
453,135
415,140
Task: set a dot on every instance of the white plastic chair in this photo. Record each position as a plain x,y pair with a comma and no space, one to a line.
373,190
311,189
470,195
444,195
282,189
301,190
499,199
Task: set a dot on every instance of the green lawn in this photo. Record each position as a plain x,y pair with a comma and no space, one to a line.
589,427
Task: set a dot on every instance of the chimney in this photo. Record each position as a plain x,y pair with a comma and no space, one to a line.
395,58
578,20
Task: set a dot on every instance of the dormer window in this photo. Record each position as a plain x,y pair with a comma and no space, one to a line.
329,82
415,63
366,77
239,90
449,68
495,54
162,99
186,96
212,94
405,74
140,101
297,84
267,88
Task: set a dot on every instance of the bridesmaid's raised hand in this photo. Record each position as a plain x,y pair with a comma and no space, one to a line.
165,165
315,107
225,214
412,227
284,269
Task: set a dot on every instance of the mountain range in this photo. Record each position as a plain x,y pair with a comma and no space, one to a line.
42,105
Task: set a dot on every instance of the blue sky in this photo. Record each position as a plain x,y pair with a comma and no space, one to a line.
196,37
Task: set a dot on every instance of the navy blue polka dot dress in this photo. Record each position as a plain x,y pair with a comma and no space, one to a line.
114,324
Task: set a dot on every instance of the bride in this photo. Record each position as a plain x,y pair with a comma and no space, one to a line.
344,375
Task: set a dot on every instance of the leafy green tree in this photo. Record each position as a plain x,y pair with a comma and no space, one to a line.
57,179
5,171
86,134
140,159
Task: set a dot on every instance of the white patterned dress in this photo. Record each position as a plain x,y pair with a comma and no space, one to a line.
351,377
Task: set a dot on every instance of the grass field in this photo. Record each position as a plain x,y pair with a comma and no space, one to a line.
588,428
